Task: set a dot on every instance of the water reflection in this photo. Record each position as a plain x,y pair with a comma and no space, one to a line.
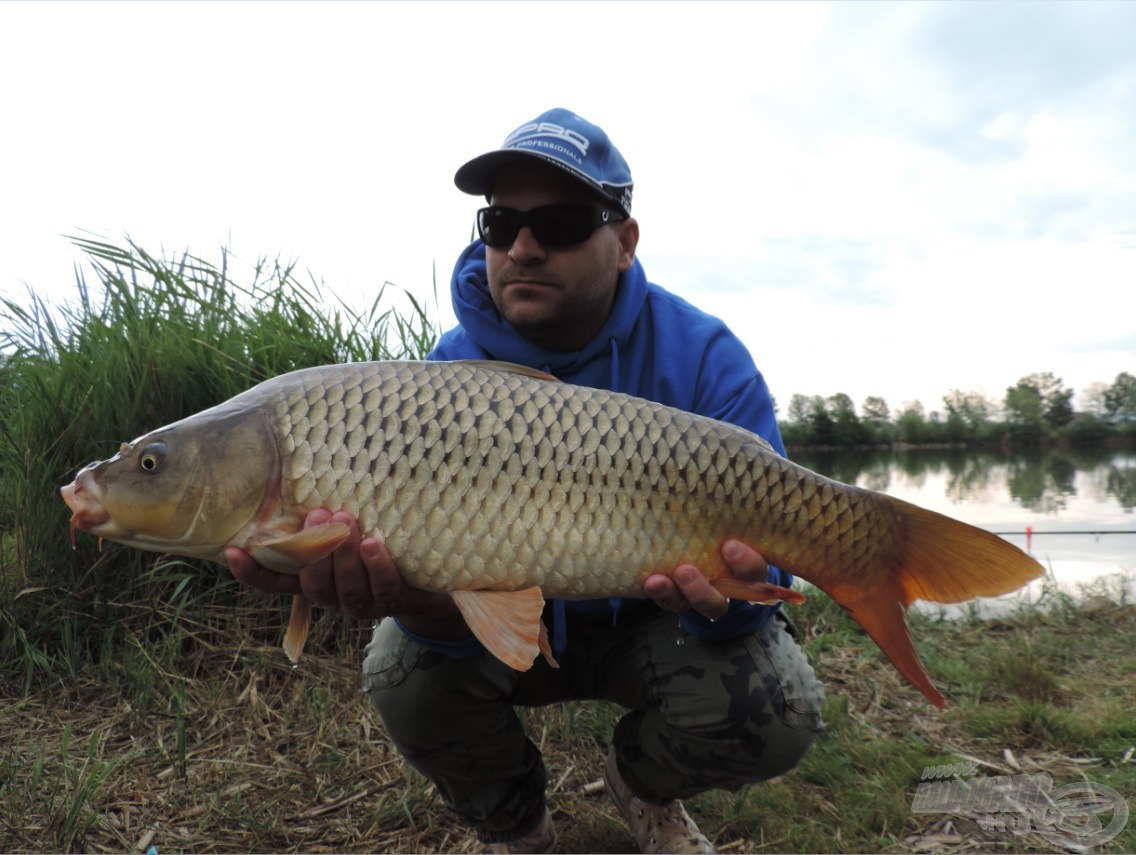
1043,486
1120,481
1077,505
1040,481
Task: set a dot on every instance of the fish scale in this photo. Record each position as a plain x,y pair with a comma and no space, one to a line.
496,483
520,438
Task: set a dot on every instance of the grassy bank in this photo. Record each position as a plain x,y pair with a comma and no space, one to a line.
145,701
153,340
231,750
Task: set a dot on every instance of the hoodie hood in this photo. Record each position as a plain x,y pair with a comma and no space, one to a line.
489,331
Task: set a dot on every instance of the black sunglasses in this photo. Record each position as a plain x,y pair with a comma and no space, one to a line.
551,225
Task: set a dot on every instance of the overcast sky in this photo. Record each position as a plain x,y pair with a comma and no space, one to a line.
893,199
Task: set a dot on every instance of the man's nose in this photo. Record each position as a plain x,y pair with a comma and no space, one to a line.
526,249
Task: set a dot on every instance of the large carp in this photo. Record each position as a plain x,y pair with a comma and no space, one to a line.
501,485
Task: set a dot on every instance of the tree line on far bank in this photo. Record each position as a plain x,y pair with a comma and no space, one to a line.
1038,409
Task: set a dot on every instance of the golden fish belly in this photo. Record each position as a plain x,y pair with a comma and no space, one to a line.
479,477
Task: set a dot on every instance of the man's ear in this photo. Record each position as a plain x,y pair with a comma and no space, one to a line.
628,232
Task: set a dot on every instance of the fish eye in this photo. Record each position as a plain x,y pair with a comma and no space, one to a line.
151,458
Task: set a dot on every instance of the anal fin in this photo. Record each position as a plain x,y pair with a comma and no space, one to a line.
506,622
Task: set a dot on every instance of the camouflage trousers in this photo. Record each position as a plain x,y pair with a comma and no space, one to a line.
701,714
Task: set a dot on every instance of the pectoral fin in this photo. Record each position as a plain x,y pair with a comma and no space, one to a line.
756,592
507,623
298,626
291,552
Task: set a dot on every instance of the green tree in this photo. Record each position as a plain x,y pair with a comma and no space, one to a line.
808,422
875,410
822,429
840,406
801,408
846,424
1059,408
876,417
1024,408
968,414
973,408
1120,398
1037,401
911,423
1092,399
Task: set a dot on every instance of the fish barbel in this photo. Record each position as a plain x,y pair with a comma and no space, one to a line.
500,485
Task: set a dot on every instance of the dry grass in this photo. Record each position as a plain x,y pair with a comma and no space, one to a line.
239,752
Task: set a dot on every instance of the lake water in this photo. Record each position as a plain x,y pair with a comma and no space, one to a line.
1080,505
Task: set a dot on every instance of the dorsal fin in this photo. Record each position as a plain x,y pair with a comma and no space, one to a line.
509,367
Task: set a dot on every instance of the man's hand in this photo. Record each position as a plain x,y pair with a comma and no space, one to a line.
687,588
359,579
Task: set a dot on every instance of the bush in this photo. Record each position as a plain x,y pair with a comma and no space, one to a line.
170,337
1085,429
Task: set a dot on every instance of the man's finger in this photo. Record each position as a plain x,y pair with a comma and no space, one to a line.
698,591
246,571
339,578
387,585
744,562
315,517
664,593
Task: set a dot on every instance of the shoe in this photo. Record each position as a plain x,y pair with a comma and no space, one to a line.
657,828
541,839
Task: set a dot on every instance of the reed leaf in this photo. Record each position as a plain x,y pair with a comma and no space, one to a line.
149,339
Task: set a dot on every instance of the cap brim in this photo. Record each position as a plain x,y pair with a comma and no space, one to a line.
476,176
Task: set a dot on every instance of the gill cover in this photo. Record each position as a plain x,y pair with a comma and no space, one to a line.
193,484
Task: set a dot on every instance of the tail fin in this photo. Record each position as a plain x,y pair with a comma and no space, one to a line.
941,560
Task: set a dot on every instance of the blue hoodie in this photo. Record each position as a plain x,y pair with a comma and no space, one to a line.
655,346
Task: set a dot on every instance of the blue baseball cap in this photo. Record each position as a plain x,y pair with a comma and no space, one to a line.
564,140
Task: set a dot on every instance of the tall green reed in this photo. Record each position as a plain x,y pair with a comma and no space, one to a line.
165,337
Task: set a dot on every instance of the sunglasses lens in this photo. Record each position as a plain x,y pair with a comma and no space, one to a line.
551,225
562,225
498,227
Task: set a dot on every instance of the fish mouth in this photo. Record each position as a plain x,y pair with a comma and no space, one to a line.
87,512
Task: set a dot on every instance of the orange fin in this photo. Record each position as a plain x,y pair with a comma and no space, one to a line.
545,647
291,552
506,622
299,624
947,561
940,560
883,616
756,592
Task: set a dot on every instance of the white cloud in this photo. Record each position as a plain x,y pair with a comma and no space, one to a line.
893,199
